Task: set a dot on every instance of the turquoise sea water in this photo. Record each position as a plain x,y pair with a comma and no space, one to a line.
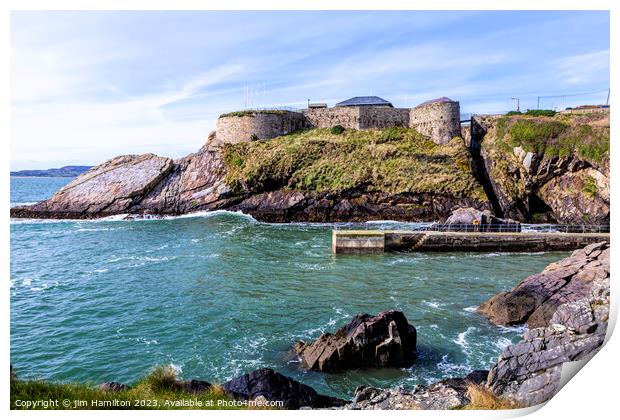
220,294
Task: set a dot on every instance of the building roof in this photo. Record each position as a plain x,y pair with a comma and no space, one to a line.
443,99
365,101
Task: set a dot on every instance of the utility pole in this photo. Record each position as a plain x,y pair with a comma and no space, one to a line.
538,102
518,103
608,91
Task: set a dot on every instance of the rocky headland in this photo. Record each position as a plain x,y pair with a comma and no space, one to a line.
525,168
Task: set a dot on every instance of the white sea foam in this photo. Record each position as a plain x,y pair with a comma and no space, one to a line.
125,217
453,369
470,309
178,369
502,343
94,229
433,304
513,329
461,339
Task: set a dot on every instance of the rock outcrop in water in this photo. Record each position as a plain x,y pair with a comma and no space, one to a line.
386,339
139,184
571,326
535,299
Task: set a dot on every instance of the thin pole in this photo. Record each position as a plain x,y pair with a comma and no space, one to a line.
538,103
608,91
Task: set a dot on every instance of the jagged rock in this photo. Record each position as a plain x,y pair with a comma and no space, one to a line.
529,372
443,395
386,339
106,189
577,195
539,184
113,387
484,219
274,386
535,299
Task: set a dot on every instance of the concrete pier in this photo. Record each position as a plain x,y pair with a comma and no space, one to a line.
374,241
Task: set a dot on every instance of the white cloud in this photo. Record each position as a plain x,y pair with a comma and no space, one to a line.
583,68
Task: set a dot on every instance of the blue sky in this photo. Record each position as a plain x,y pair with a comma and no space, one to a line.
87,86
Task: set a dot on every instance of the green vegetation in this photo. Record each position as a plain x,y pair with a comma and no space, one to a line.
337,129
554,137
154,392
589,187
252,112
481,398
534,113
393,160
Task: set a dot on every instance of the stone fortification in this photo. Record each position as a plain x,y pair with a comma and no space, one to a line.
246,126
438,119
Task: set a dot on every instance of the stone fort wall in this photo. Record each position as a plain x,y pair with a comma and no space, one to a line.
441,121
438,120
257,126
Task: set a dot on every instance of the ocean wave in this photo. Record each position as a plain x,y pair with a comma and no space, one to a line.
453,369
512,329
461,339
502,343
433,304
126,217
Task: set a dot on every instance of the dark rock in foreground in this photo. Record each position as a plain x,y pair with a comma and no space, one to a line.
448,394
113,387
386,339
535,299
274,386
192,386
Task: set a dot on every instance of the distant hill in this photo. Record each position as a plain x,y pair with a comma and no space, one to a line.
65,171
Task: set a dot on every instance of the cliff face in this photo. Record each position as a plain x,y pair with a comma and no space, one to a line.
549,169
539,169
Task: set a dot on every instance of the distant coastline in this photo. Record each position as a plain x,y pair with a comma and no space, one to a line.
65,171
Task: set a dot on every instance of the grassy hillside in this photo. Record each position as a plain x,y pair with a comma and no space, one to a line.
154,392
393,160
519,185
561,135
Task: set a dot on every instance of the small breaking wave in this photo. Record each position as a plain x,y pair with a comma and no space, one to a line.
126,217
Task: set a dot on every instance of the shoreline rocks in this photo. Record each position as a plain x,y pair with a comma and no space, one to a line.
274,386
535,299
448,394
529,372
386,339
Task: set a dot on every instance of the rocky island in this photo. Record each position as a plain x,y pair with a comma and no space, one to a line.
359,163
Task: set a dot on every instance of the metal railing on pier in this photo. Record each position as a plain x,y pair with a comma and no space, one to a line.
515,227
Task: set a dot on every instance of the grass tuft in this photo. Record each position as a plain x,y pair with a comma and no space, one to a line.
153,392
162,378
483,399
